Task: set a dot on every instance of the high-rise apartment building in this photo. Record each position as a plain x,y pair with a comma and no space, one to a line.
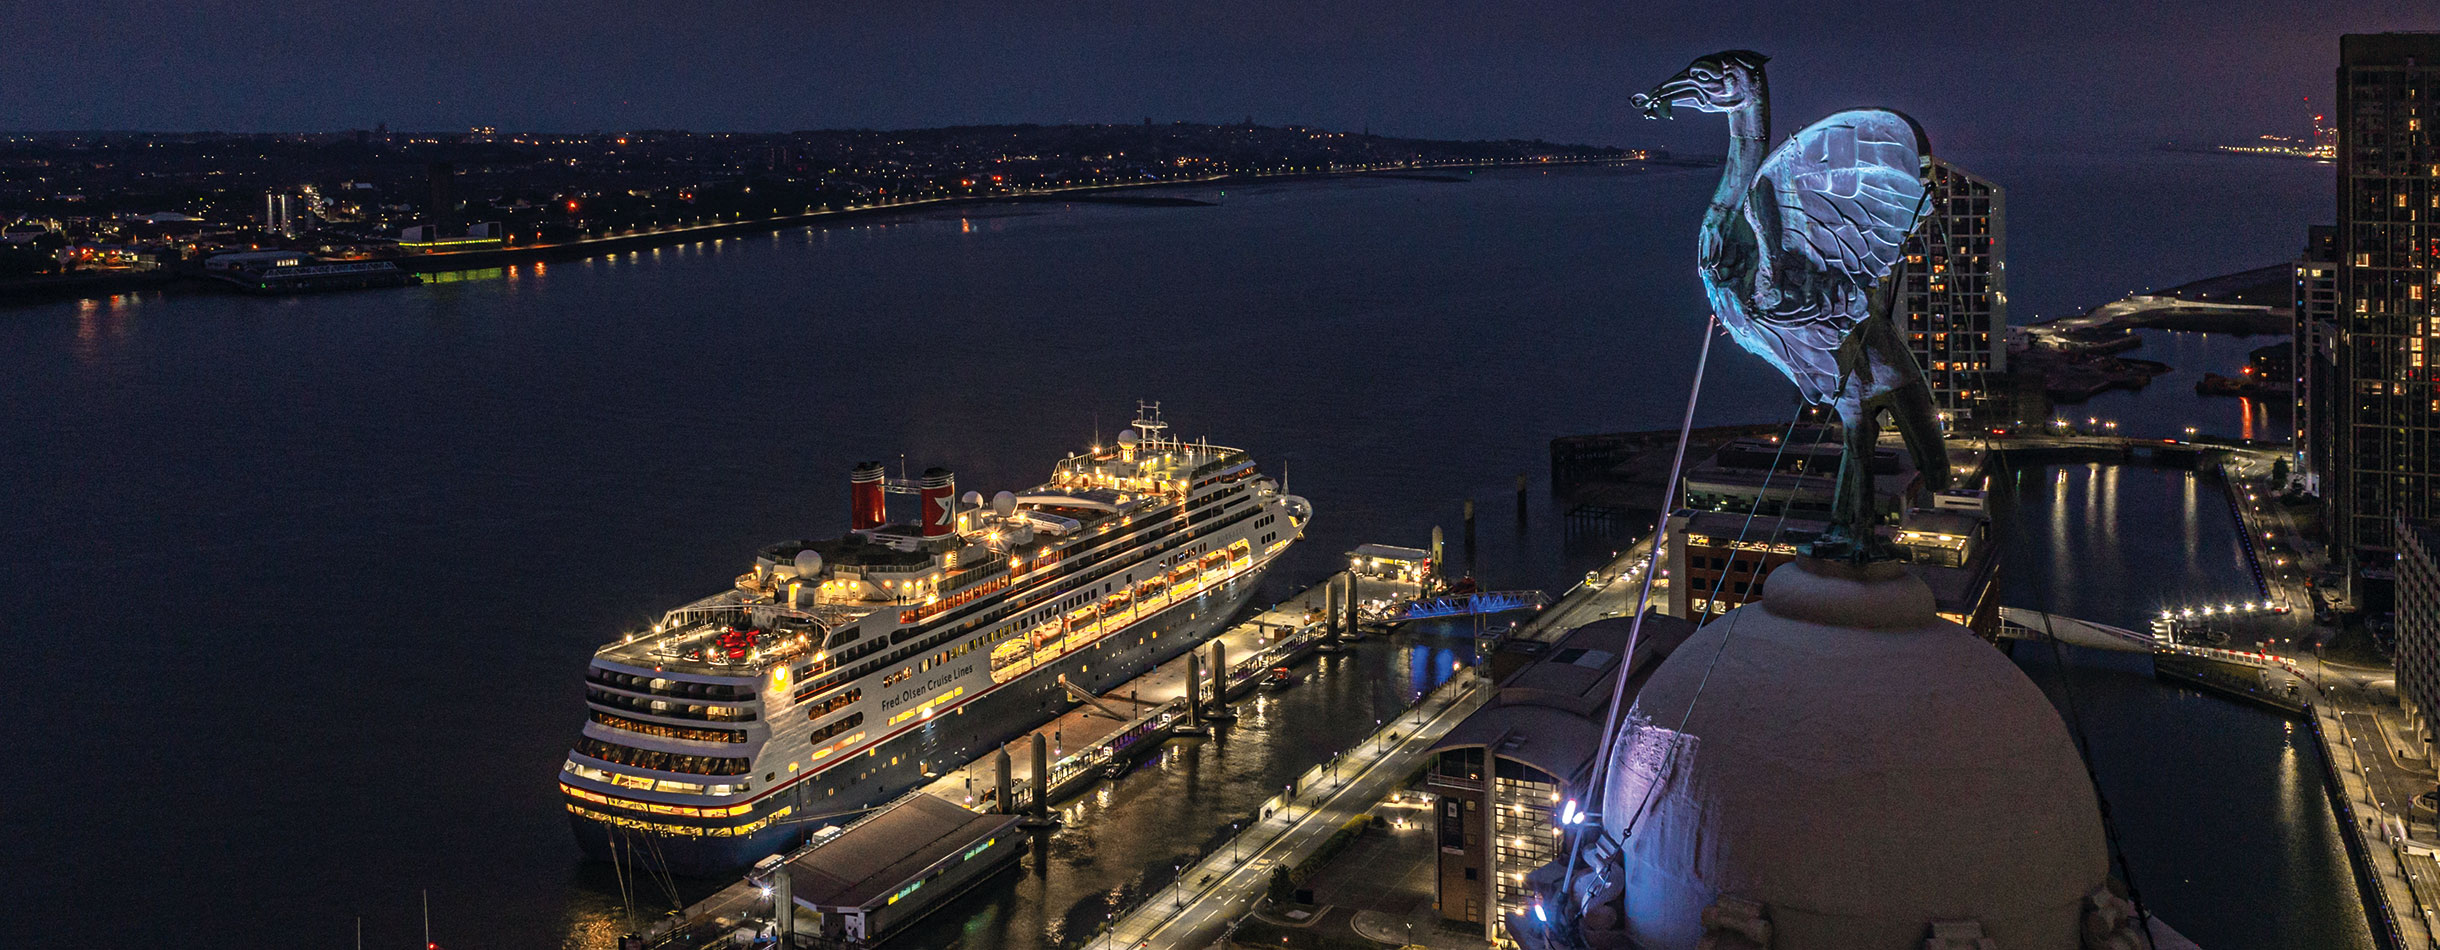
1954,303
2313,355
2385,451
2417,656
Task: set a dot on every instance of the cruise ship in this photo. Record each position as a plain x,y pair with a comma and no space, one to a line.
839,674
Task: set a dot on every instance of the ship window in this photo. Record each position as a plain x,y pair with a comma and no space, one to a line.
662,761
662,708
669,732
851,721
834,704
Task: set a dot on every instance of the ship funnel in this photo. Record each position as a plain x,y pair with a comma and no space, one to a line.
939,503
868,507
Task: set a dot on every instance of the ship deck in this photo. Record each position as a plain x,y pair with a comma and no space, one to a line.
1091,495
692,644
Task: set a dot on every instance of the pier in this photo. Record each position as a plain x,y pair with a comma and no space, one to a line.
1098,739
1087,743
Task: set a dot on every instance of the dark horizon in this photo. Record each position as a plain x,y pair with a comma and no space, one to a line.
2097,74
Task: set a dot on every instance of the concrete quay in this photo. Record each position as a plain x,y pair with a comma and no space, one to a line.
1208,897
2372,783
2373,767
1279,635
1111,731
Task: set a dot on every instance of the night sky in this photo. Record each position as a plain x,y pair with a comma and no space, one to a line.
1983,75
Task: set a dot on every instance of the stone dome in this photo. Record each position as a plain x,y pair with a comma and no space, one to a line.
1860,769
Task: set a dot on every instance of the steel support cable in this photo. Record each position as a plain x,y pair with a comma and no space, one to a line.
1730,630
2084,749
1635,628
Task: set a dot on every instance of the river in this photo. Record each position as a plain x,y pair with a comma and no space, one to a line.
300,590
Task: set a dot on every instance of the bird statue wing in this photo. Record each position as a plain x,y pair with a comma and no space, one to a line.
1841,198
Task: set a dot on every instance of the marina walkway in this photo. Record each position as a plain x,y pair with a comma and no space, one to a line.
1214,893
2376,788
1611,592
1222,888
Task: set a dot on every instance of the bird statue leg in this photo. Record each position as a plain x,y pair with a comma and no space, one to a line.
1850,536
1910,407
1878,374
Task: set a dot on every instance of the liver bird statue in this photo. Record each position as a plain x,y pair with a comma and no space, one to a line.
1801,256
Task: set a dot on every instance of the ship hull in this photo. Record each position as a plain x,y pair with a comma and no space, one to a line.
949,741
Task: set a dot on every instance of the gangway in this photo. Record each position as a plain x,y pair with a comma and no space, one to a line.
1086,697
1465,605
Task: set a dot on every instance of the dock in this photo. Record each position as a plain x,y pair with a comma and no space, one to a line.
945,854
1088,742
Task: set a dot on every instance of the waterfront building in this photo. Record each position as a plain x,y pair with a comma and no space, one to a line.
2417,657
1953,305
1502,778
1749,507
860,886
2387,457
430,237
2313,357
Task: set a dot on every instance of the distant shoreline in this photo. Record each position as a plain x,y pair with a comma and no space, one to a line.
2229,303
2073,355
54,288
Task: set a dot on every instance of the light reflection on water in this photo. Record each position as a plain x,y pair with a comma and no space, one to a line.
1157,814
2169,404
435,501
2219,805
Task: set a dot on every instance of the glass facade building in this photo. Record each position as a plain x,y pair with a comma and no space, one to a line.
2417,656
2384,449
2313,356
1953,305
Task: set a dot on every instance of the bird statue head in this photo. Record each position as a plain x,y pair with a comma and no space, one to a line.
1720,82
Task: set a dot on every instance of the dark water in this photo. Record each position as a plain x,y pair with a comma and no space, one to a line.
2169,405
299,591
1156,818
2218,805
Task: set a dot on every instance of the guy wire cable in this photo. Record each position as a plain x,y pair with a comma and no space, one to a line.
2084,747
1635,628
1730,630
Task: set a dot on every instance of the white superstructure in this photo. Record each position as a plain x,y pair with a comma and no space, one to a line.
838,672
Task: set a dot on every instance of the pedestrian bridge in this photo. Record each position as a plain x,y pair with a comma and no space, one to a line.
2070,445
1466,605
2022,623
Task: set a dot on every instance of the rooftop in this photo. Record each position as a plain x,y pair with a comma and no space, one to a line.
1956,589
866,864
1551,698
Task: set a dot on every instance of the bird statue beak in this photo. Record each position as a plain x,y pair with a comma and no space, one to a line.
1656,103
